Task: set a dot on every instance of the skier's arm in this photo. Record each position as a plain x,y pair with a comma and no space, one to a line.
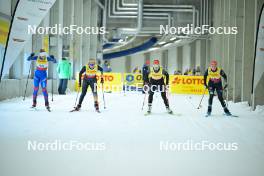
51,59
166,74
80,75
102,72
222,73
100,69
32,57
205,78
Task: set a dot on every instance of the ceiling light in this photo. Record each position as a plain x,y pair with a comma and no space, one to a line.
173,38
161,43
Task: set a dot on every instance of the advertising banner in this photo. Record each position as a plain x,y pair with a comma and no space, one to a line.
181,84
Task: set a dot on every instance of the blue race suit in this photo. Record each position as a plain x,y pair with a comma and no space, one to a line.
40,76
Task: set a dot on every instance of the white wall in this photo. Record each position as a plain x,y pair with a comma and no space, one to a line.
5,7
172,60
137,60
118,64
186,63
198,53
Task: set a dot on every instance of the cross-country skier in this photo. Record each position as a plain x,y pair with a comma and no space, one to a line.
89,79
40,75
158,80
213,82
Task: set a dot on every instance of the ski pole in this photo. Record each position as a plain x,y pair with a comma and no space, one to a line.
226,92
199,106
103,95
27,82
143,104
78,91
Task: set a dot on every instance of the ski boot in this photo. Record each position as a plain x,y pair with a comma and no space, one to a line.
47,106
96,105
34,104
77,108
169,110
227,112
149,109
209,111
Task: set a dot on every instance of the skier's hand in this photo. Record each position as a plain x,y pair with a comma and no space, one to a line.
102,80
205,86
52,56
32,54
225,86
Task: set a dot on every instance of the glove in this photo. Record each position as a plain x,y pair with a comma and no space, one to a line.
52,56
32,54
205,86
102,80
225,86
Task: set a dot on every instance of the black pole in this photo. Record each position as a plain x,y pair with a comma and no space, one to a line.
7,41
255,54
103,95
27,81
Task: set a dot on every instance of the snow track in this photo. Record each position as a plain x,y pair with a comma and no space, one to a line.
132,140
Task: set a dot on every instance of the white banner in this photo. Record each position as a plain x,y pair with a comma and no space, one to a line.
259,60
29,12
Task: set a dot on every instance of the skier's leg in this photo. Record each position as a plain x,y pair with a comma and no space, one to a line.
165,98
221,99
93,85
84,91
44,90
60,86
36,88
150,98
210,101
64,86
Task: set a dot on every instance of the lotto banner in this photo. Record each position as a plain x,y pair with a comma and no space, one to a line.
133,80
186,84
112,82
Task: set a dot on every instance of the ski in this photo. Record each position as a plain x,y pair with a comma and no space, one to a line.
34,108
172,113
230,115
74,110
208,115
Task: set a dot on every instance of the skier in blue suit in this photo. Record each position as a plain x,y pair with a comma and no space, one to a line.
40,75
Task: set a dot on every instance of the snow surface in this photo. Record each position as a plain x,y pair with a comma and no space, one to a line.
132,140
